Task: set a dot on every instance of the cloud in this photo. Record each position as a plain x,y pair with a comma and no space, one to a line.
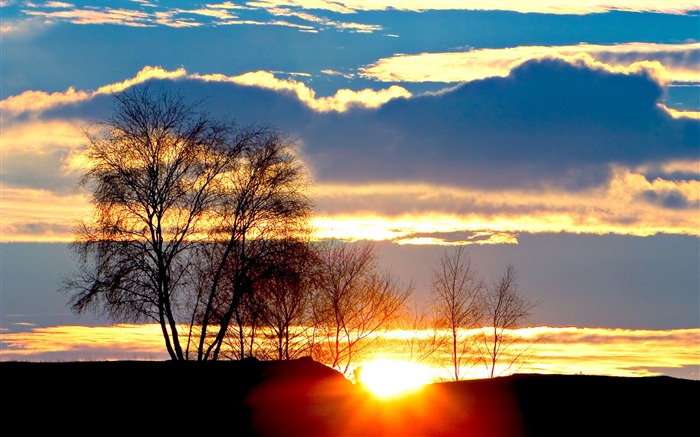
19,29
630,204
169,19
681,114
553,121
226,5
126,17
148,14
58,5
544,6
146,74
676,62
219,13
595,351
41,154
105,343
31,215
43,134
672,170
671,199
41,229
341,7
38,101
459,238
324,22
560,144
343,100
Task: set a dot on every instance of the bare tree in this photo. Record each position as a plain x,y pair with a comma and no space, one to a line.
286,301
242,333
353,300
270,322
423,339
187,212
506,307
154,169
264,203
456,293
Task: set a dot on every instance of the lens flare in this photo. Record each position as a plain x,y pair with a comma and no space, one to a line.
388,378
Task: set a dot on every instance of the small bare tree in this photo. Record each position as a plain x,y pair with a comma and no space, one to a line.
424,339
264,203
506,307
457,295
286,300
352,301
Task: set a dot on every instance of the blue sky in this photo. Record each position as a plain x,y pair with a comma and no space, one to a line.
561,136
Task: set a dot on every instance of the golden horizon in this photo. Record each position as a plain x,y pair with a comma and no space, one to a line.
559,350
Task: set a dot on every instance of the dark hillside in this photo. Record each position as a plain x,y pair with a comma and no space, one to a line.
305,398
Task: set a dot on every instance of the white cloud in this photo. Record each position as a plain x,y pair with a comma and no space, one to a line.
146,13
679,62
357,27
150,14
540,6
126,17
341,101
37,101
332,6
32,101
225,5
219,13
58,5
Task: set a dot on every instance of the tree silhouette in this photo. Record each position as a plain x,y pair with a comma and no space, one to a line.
286,301
425,340
352,301
457,295
264,204
506,307
186,214
153,169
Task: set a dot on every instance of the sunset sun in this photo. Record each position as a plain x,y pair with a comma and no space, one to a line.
386,378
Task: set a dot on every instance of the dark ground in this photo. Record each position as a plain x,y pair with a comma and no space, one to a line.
305,398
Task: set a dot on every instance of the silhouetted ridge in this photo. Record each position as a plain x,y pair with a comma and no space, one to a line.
305,398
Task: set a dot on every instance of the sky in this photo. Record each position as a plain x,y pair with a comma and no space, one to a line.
560,136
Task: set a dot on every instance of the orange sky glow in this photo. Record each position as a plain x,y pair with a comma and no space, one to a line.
569,350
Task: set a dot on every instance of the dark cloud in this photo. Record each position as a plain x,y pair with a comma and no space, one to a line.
673,175
550,122
672,199
39,228
29,169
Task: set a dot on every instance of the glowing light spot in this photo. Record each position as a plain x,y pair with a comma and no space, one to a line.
386,378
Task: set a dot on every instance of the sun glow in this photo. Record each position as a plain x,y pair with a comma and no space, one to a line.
387,378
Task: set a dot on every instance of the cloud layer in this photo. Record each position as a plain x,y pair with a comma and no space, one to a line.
613,352
675,62
560,143
306,15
